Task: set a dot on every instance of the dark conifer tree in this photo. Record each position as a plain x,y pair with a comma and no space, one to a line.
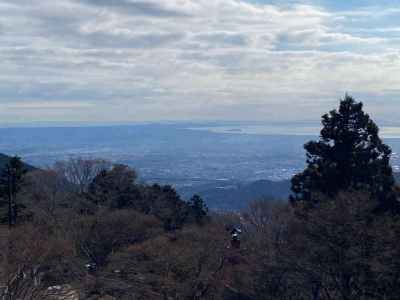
199,209
348,156
115,188
11,183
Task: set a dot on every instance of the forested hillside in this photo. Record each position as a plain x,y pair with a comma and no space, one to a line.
5,159
89,229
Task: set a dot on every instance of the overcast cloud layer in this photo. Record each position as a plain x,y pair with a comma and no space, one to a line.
135,60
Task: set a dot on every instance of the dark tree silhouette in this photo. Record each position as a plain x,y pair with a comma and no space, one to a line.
11,181
115,188
349,155
198,209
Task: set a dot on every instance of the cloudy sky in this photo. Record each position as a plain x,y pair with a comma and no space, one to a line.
136,60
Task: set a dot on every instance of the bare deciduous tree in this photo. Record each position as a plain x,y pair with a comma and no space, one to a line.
81,171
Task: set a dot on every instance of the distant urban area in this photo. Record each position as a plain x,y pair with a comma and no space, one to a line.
228,164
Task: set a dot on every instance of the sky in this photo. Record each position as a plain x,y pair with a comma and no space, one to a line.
153,60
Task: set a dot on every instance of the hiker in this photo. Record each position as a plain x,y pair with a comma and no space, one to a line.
235,237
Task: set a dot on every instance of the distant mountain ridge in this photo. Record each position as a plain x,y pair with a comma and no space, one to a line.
236,195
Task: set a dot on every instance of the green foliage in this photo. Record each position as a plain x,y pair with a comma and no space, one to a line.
198,209
117,189
165,203
349,155
114,188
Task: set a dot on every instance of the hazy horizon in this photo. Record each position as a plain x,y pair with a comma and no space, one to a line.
302,128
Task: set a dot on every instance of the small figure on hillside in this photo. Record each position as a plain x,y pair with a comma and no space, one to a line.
235,234
91,267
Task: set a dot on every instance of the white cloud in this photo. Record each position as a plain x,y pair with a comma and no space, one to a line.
166,59
46,105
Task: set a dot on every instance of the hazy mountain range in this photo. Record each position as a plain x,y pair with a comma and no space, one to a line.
236,195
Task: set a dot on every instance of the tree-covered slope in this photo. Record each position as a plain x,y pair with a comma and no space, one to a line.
4,160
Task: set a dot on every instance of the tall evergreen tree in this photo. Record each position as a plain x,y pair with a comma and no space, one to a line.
198,209
10,184
348,155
